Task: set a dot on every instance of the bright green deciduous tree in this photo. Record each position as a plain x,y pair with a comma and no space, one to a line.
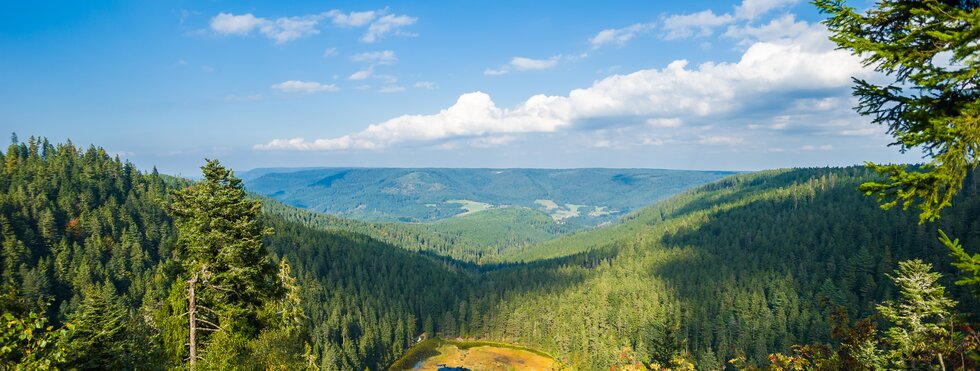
29,344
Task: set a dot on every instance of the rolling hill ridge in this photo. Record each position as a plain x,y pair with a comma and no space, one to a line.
577,197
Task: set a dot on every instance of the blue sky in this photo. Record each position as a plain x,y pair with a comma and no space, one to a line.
655,84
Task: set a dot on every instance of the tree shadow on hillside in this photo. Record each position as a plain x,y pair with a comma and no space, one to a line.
742,186
761,269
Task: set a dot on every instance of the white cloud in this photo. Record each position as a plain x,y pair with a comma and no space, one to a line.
375,58
473,115
524,64
819,104
492,141
230,24
361,75
285,29
670,97
330,52
695,24
426,85
619,36
300,144
703,23
389,23
752,9
785,27
306,87
280,30
352,19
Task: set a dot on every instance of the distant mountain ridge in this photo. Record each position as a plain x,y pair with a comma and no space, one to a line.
577,197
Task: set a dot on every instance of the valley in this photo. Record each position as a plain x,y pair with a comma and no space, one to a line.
745,265
578,197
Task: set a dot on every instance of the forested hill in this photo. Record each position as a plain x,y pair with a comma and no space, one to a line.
480,238
739,265
736,266
577,197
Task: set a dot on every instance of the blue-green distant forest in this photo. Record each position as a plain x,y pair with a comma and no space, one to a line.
578,197
474,215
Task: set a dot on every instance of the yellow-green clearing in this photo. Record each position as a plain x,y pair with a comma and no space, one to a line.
436,354
470,206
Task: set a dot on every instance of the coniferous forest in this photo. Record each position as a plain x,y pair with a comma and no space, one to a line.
749,265
106,266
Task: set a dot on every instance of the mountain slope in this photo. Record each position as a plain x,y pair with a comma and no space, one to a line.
475,238
739,265
575,196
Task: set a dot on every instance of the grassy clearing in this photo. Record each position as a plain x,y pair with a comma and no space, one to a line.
470,206
547,204
600,211
475,355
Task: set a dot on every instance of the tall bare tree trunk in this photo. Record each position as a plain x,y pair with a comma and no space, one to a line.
192,319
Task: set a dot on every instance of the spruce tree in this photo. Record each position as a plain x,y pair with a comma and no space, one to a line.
929,52
227,270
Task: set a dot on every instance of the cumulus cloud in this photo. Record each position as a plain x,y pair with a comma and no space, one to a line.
696,24
524,64
306,87
703,23
783,28
230,24
285,29
669,98
619,36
